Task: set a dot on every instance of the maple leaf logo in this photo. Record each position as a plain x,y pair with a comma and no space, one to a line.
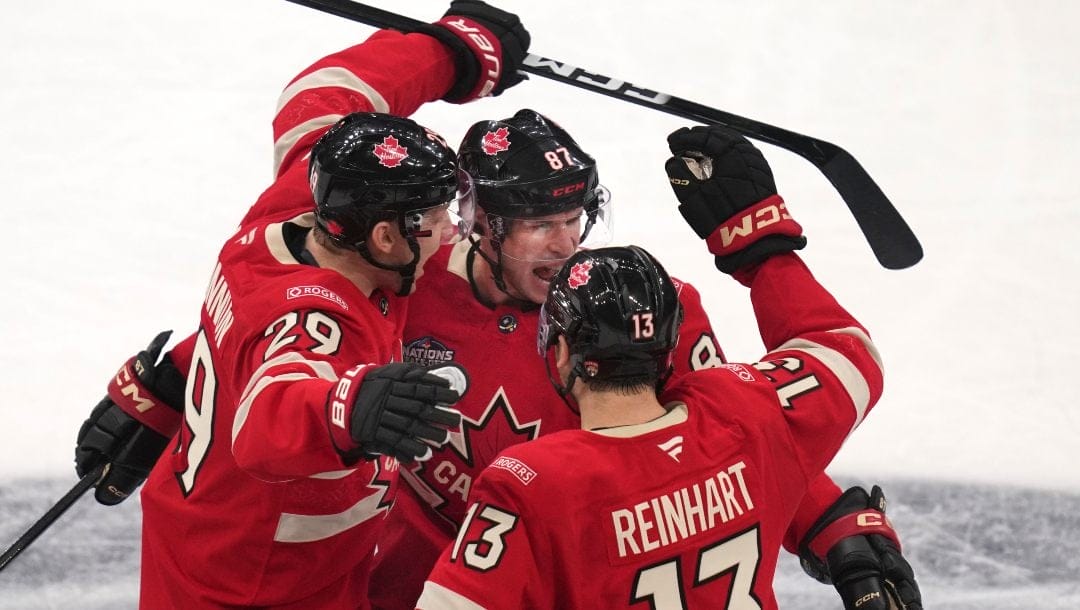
390,153
496,141
579,274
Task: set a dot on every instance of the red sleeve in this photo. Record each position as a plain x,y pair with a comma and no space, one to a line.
697,348
389,72
819,496
280,429
493,563
826,371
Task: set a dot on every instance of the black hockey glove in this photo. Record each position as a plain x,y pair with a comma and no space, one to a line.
489,45
399,409
728,197
131,426
854,548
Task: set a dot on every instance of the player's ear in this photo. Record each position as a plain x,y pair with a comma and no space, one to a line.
383,237
562,353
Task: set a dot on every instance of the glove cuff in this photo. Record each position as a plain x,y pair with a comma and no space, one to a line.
477,55
128,391
766,217
862,523
339,408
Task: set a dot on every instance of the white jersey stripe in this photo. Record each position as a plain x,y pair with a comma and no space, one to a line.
848,374
308,528
259,381
438,597
325,77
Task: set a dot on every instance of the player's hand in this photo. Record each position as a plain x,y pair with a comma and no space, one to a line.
727,195
489,45
130,427
854,548
400,409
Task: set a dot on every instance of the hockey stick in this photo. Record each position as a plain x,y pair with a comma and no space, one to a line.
89,480
889,236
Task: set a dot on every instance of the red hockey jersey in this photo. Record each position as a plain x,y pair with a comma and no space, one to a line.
255,507
510,401
687,511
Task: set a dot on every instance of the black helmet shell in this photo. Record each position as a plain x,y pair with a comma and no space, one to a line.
371,166
527,166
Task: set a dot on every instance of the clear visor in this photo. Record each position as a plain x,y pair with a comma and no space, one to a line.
450,221
555,237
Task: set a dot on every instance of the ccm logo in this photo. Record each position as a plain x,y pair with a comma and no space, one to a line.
770,214
338,407
679,181
569,188
493,67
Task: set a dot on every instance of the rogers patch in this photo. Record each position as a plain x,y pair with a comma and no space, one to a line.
299,292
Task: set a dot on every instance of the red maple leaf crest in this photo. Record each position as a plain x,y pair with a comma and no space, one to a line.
390,153
496,141
579,274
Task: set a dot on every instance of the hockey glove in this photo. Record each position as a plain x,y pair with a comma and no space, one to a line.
728,197
854,548
399,409
131,426
488,44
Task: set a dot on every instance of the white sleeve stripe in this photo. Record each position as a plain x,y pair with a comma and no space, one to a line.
325,77
308,528
853,381
289,139
259,381
438,597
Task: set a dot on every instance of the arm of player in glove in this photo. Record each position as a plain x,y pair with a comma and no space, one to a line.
488,44
854,548
131,426
727,195
400,409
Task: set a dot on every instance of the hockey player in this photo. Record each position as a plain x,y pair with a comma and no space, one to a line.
297,408
510,403
681,500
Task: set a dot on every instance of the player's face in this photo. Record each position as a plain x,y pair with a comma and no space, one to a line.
437,227
534,250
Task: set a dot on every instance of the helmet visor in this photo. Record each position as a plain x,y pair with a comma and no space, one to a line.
451,220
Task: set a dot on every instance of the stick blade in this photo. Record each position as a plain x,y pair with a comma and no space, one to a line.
892,240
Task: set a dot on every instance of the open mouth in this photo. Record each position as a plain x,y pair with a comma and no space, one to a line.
546,274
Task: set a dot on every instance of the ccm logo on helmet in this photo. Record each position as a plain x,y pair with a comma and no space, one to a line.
493,66
567,189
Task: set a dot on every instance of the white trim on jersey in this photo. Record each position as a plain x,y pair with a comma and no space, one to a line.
325,77
676,415
846,371
275,239
259,381
308,528
438,597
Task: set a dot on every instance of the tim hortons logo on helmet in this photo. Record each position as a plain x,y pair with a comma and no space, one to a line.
579,274
567,189
492,65
390,152
297,292
494,142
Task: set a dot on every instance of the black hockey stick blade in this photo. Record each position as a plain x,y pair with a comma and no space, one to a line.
892,240
89,480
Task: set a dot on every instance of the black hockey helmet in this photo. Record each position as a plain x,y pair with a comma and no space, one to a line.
527,166
620,314
371,167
